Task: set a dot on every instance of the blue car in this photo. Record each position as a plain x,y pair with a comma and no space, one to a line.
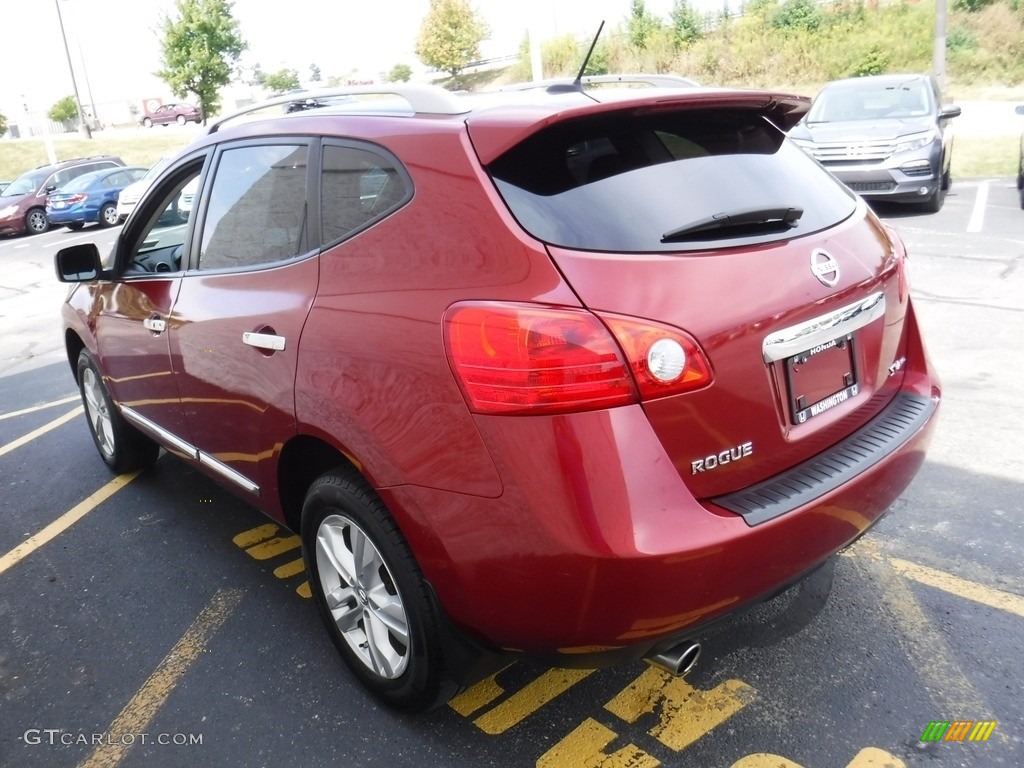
91,197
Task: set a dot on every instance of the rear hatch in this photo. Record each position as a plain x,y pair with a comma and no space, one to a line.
701,215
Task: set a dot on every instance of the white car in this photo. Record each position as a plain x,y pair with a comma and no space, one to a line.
131,194
188,193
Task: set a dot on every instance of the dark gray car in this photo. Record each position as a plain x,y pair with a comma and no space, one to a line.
1020,160
886,137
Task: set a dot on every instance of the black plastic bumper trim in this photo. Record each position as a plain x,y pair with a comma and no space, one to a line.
804,483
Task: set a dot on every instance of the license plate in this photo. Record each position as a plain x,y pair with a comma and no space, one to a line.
59,204
821,378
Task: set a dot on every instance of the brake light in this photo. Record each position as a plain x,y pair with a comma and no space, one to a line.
70,200
521,358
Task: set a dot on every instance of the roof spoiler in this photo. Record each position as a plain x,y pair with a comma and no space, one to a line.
654,81
422,99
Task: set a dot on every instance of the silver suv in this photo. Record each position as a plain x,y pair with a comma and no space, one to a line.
886,137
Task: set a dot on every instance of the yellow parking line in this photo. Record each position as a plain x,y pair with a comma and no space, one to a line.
65,521
42,407
294,568
477,696
685,713
41,431
870,757
274,547
525,702
924,646
947,582
586,745
138,713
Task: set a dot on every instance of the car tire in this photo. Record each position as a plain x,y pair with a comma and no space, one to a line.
933,204
947,180
180,120
108,215
75,226
147,123
122,447
381,619
36,222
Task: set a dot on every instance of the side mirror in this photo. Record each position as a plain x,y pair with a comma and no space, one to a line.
948,113
78,263
1020,109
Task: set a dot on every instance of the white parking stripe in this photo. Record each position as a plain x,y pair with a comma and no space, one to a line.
35,408
65,521
978,214
5,449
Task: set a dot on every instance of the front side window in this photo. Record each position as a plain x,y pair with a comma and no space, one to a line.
159,246
25,184
256,209
358,187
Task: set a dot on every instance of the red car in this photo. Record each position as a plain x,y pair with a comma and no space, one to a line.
166,114
569,375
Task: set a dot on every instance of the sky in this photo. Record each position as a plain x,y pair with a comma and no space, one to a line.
114,44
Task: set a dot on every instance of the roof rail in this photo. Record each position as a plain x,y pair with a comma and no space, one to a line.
422,99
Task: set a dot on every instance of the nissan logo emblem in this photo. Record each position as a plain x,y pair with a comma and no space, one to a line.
824,267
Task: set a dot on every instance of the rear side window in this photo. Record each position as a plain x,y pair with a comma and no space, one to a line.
358,186
667,181
257,207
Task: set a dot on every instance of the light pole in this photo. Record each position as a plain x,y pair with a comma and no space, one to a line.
939,45
83,127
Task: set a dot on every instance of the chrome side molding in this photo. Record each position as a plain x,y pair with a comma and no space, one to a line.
186,449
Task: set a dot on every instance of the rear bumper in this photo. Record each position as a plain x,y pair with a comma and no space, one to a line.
596,552
69,217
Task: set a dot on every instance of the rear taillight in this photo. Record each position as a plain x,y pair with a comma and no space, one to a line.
522,358
663,360
512,358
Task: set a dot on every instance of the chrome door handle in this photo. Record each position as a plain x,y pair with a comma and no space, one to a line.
154,324
263,340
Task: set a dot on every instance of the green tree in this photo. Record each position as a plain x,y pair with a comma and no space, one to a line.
797,14
642,25
400,73
687,25
450,36
64,110
281,81
971,6
3,123
200,46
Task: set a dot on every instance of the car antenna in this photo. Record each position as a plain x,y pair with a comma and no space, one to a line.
576,86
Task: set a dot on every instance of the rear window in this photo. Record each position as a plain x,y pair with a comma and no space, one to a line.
667,181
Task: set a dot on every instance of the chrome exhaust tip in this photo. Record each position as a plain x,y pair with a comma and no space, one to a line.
678,661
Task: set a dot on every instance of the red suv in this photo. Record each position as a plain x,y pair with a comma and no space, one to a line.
566,375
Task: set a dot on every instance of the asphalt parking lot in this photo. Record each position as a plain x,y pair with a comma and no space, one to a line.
157,620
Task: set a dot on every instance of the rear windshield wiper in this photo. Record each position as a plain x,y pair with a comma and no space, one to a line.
737,223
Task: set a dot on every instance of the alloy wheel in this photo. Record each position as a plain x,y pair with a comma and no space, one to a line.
362,597
98,412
